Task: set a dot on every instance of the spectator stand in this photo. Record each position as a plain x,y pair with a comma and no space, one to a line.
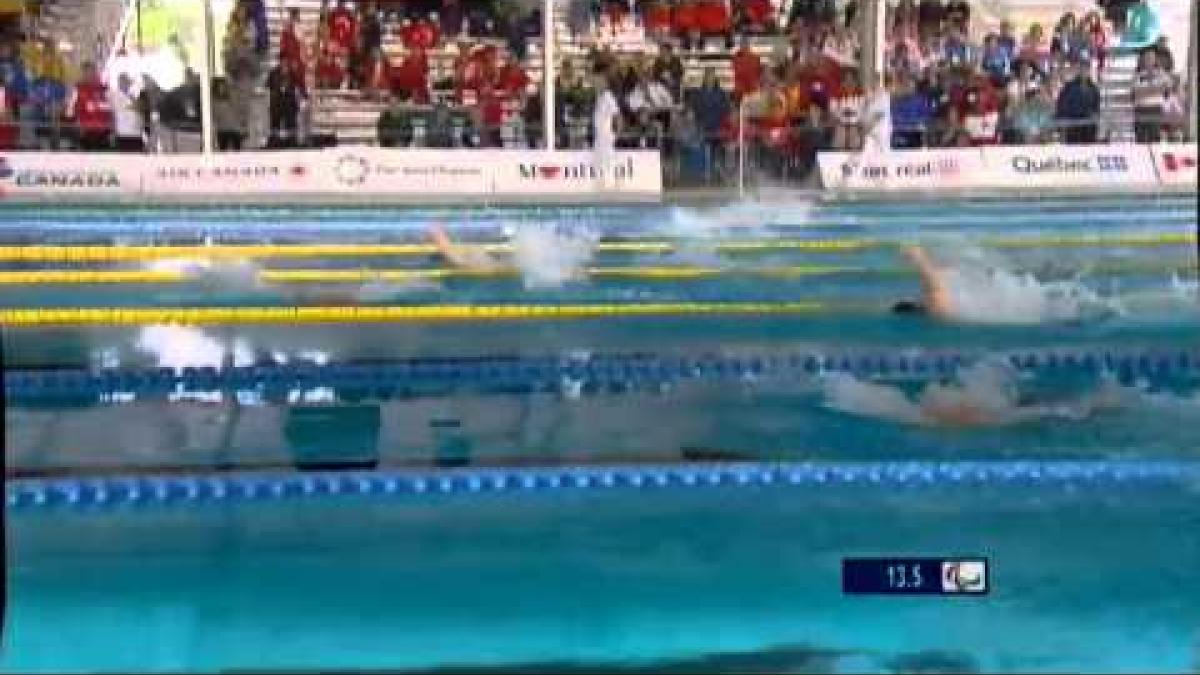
349,115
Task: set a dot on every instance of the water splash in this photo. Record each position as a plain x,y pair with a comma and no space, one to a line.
985,394
985,288
552,257
181,346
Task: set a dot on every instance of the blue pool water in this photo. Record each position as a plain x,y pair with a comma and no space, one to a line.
479,543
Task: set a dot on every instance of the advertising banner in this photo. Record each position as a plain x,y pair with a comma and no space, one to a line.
234,173
1067,166
522,172
901,169
406,172
1176,164
69,175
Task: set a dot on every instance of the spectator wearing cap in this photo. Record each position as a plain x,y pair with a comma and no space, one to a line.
1077,108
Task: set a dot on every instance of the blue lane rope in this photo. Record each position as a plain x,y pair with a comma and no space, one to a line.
550,372
26,495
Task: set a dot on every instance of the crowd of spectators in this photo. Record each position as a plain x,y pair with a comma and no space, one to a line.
794,74
1039,87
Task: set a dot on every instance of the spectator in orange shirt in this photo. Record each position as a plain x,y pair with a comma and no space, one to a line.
343,27
412,77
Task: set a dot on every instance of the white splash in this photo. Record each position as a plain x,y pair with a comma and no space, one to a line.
552,257
237,274
181,347
985,289
983,395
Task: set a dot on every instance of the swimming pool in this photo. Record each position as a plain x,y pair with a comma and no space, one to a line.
631,455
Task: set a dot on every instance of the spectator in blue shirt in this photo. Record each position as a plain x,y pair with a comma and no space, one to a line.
995,61
1077,107
710,105
956,52
12,73
1007,40
912,111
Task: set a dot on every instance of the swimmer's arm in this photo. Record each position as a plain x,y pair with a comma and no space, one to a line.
458,256
933,286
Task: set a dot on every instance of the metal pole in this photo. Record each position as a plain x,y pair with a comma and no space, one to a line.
548,68
1193,64
206,71
872,35
742,149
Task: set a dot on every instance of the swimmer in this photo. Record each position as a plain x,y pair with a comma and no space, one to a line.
474,260
985,396
935,294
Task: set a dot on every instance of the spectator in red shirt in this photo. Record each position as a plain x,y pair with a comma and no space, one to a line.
331,60
343,27
91,111
412,77
427,34
291,49
714,20
657,19
758,16
687,23
511,78
747,72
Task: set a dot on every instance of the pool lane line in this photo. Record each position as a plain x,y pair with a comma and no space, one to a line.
259,251
300,276
138,316
673,273
622,372
201,489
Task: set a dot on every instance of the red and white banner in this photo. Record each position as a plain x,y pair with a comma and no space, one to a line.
416,174
582,173
1176,163
901,169
233,173
68,175
1068,166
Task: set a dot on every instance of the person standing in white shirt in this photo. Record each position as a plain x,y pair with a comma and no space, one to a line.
877,119
128,123
605,127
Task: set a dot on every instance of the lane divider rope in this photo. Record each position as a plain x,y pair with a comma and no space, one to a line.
95,494
366,275
133,316
554,372
37,253
299,276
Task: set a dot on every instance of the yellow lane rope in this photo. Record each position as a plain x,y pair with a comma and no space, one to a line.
133,316
301,276
366,275
259,251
